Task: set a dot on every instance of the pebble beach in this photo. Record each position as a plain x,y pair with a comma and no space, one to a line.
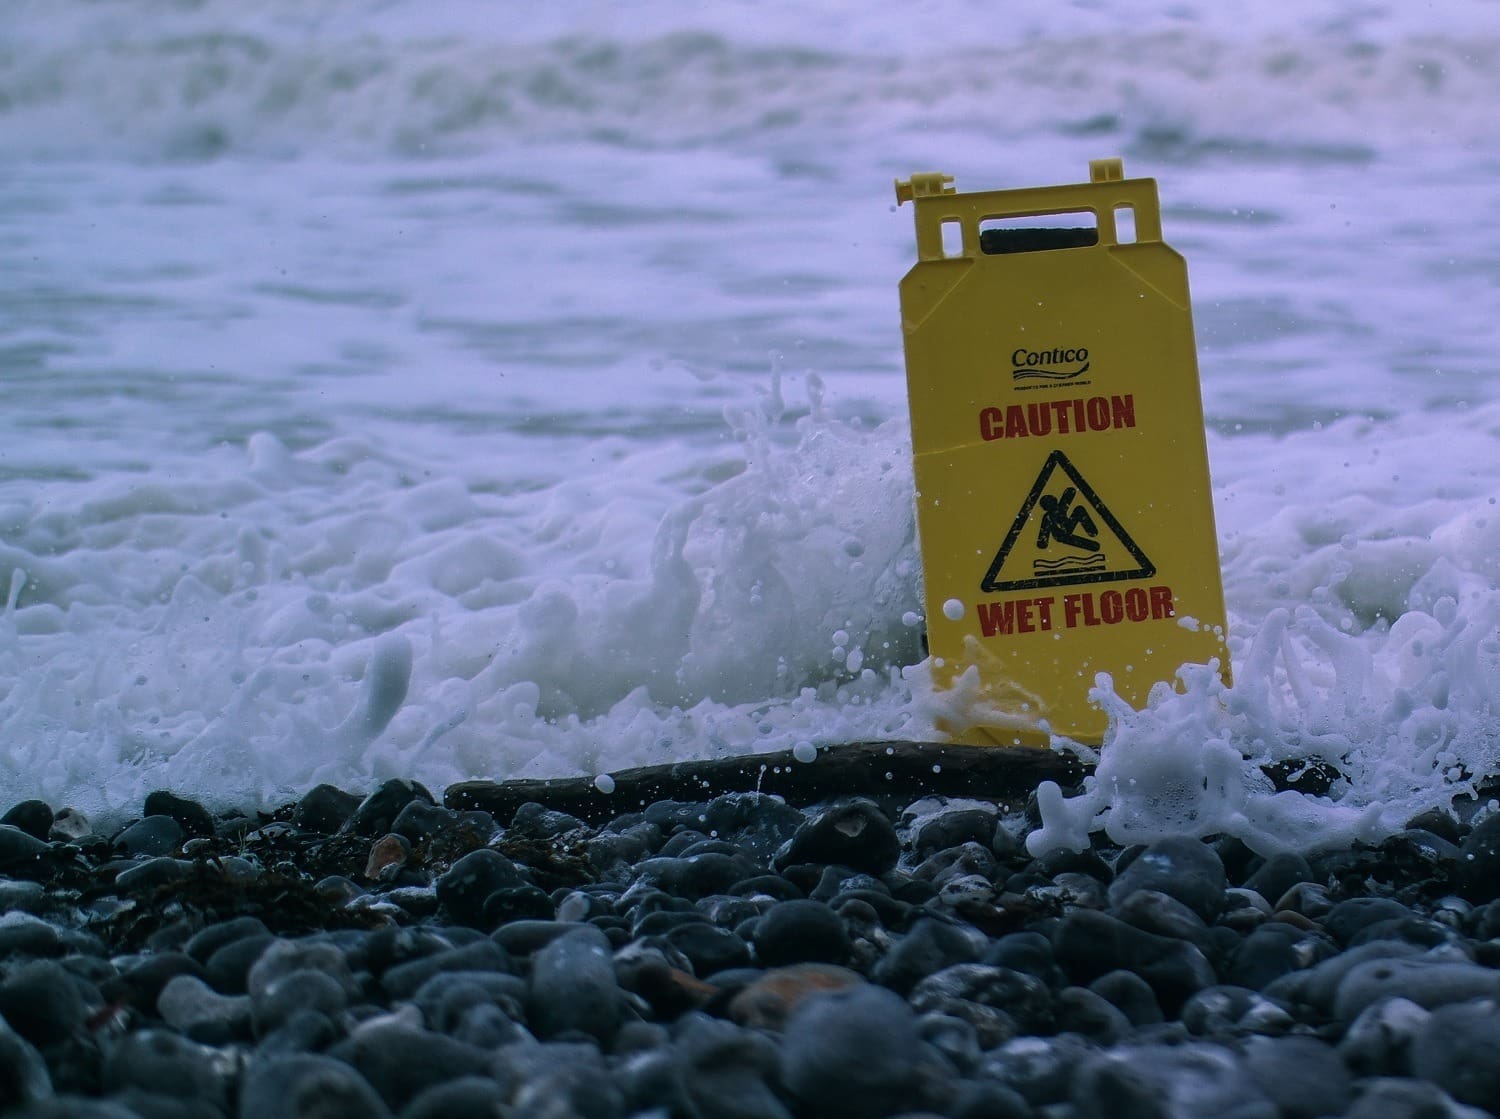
734,958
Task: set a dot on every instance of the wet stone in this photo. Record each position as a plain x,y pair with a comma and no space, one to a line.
853,1053
325,809
152,836
152,874
1180,867
469,882
190,816
794,932
43,1002
400,1061
308,1086
1278,874
540,822
1456,1051
19,849
160,1061
34,817
573,986
378,811
852,833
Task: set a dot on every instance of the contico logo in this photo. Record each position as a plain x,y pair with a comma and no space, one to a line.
1061,364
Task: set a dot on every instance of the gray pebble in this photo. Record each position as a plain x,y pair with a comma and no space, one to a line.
573,986
305,1086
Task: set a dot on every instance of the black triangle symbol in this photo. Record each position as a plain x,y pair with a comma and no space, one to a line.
1095,571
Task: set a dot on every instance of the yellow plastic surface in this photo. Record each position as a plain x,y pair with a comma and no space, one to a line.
1063,499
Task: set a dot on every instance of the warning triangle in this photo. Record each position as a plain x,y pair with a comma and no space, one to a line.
1064,535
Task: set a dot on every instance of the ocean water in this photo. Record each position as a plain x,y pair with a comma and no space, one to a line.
446,390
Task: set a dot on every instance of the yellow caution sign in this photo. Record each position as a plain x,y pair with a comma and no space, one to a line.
1063,500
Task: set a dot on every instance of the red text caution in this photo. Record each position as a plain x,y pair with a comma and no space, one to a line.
1065,417
1071,611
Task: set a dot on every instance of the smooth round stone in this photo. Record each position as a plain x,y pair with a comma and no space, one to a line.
1272,950
305,1031
710,949
228,967
1164,915
954,862
1089,944
1077,1010
953,1037
929,946
160,1061
1157,1081
468,1097
523,938
795,932
1226,1011
1428,982
191,817
984,1099
1478,868
303,1086
854,1053
1028,952
1319,985
447,998
1023,997
401,1062
695,876
540,822
852,833
944,825
153,874
721,1064
1278,874
290,960
19,848
378,811
1379,1041
196,1010
757,822
1456,1051
34,817
24,1078
1180,867
517,903
1041,1070
273,1004
404,980
325,809
21,896
1391,1098
141,984
43,1002
1131,995
152,836
23,935
1346,919
573,986
418,819
469,882
769,999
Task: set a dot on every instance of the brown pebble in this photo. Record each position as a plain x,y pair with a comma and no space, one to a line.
768,1002
1292,917
388,853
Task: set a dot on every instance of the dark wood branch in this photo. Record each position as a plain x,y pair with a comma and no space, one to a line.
885,770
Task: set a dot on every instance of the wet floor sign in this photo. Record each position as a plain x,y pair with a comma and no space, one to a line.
1063,500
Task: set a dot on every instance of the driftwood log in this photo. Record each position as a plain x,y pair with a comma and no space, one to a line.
883,770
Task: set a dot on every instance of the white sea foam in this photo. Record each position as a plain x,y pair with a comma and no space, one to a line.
391,392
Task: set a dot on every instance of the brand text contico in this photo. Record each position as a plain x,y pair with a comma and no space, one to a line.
1024,358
